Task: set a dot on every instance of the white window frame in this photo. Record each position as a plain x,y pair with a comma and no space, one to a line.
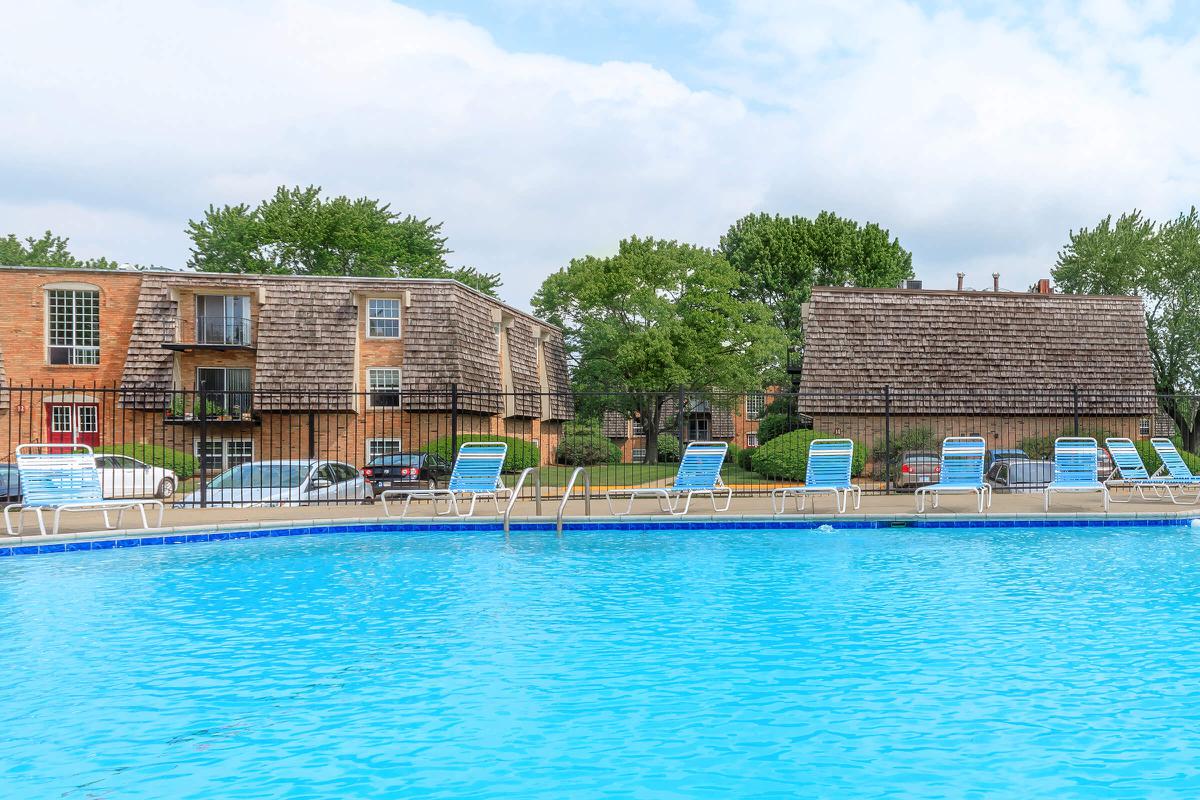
752,439
638,459
224,442
83,350
1145,427
375,440
760,400
398,318
229,303
371,371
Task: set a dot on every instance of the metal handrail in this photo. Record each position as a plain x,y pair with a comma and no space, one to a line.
516,492
587,496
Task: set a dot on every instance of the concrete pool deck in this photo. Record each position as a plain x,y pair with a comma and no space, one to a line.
88,525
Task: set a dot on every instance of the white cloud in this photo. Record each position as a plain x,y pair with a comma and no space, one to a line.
976,141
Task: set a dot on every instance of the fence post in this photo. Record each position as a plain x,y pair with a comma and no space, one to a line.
312,434
202,407
1075,405
682,422
453,421
887,439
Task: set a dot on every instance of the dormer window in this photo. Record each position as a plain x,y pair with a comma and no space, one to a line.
383,318
223,319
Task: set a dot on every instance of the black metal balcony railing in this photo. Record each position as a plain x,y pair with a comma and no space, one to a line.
223,330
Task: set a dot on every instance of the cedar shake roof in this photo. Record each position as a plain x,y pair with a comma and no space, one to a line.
616,425
1024,351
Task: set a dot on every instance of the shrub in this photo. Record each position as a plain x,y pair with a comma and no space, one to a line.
922,439
521,454
786,457
579,451
184,465
773,425
668,448
782,404
1153,462
745,458
731,455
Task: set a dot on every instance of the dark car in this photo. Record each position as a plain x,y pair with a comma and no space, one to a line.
1020,474
407,471
10,483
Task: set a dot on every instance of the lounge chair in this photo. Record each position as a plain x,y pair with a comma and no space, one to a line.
1130,473
961,472
699,473
476,473
1075,463
828,472
65,479
1178,472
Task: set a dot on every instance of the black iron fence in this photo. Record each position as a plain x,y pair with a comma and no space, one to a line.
240,446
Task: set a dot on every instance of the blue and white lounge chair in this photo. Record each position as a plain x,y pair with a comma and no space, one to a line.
828,472
1075,464
63,477
1130,473
476,473
1178,473
961,472
699,473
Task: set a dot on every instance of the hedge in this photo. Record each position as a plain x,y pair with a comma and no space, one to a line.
786,457
668,448
521,453
579,451
744,459
184,465
733,454
773,425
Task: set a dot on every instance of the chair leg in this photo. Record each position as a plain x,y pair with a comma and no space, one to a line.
142,511
42,523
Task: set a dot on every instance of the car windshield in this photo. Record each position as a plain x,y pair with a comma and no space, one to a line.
397,460
261,476
1030,473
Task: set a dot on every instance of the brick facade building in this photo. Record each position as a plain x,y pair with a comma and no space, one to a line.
270,366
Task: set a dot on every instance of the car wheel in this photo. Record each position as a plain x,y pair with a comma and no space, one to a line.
431,484
165,489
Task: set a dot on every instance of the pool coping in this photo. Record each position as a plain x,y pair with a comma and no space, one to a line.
38,544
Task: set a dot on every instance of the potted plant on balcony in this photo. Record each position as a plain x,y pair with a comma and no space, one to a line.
211,410
175,410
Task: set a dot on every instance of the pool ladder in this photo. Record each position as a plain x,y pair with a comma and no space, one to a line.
537,497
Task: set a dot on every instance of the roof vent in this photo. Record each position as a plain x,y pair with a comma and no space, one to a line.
910,284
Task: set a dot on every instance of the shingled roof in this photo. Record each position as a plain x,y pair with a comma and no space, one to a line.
994,352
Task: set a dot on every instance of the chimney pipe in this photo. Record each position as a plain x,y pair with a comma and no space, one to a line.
995,281
1043,286
961,275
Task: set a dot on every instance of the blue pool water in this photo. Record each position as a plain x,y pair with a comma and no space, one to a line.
862,663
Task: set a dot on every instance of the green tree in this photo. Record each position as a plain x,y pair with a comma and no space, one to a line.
297,232
656,317
781,259
48,251
1161,264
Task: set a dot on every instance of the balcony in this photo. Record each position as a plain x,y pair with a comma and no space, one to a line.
217,333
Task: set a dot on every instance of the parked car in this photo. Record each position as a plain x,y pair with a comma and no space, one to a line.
1104,464
1000,455
918,469
284,483
122,476
10,483
1020,474
407,471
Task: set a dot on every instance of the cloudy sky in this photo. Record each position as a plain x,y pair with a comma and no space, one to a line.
539,130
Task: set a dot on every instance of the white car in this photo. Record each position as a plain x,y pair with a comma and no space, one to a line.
284,483
122,476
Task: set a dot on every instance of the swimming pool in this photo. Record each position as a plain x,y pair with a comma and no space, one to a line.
666,663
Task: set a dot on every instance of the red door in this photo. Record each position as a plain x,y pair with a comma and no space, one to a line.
76,423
